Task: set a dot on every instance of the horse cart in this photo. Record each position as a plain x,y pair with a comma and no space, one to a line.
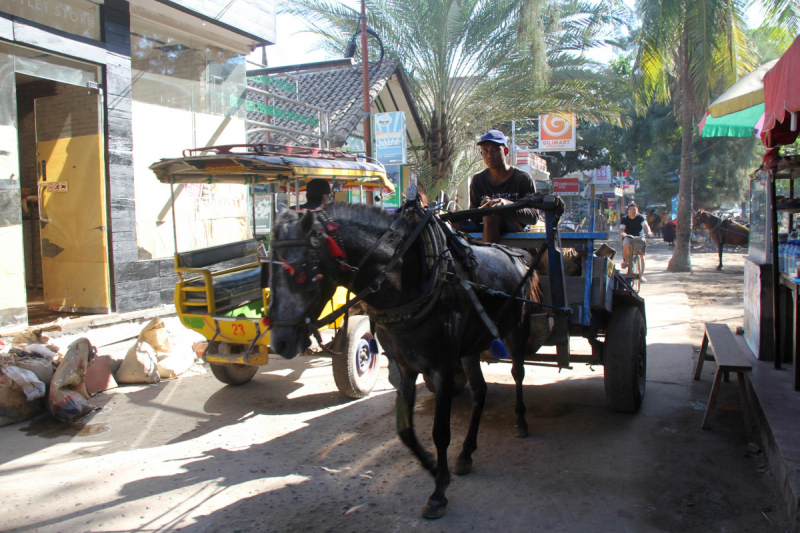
599,304
223,291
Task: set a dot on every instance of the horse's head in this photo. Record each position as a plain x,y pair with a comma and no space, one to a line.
303,278
699,218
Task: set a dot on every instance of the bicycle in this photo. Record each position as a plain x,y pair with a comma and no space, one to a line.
634,275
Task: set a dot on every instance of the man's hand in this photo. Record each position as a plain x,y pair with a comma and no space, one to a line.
489,202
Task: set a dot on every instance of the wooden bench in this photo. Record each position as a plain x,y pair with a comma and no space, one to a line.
729,358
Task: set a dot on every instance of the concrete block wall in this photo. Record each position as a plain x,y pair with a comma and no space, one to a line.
135,284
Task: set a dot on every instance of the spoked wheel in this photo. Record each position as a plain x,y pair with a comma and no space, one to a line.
355,370
625,360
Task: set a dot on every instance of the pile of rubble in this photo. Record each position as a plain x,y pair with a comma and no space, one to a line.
35,375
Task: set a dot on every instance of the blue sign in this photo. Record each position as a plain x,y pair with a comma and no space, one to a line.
390,138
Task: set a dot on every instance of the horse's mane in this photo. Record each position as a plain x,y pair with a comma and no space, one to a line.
363,215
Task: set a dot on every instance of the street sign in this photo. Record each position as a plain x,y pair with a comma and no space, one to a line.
390,138
566,186
601,176
557,133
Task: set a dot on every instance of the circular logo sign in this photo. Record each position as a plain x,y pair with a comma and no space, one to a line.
555,126
384,120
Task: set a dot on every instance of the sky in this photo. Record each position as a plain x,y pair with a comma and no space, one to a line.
294,47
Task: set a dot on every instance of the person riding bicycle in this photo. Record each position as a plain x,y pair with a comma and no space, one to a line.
633,226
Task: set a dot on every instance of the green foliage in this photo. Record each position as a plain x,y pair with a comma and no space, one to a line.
474,64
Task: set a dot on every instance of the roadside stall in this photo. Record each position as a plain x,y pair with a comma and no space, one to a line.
772,288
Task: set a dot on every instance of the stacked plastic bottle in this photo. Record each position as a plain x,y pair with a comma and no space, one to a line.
789,255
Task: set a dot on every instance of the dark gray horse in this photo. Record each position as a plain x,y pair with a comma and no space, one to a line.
424,325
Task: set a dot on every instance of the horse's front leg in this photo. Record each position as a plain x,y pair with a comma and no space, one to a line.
404,414
477,387
437,502
720,255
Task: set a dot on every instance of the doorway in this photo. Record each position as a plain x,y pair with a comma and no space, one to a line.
61,165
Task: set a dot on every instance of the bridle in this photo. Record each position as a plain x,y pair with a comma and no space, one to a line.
305,275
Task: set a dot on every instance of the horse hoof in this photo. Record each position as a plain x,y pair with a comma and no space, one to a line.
463,467
522,431
719,268
434,509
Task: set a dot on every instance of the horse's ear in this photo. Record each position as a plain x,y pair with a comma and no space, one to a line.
307,222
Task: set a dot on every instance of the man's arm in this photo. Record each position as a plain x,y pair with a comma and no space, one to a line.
647,229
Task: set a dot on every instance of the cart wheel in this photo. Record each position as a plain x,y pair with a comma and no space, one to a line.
355,370
233,375
459,381
625,360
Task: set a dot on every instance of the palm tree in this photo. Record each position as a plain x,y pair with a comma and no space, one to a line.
474,64
687,50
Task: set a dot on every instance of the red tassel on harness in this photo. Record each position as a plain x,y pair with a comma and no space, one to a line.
334,250
288,267
331,227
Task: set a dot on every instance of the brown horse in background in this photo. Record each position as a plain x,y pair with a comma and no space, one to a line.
722,231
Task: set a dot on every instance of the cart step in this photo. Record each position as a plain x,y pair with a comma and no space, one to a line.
632,276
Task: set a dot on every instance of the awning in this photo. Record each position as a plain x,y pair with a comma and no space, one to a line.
743,94
781,84
739,124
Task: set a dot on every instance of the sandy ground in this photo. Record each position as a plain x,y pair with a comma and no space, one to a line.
286,452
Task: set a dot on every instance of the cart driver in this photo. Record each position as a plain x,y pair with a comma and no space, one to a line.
633,225
318,194
499,184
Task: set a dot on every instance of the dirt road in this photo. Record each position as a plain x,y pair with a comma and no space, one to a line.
287,453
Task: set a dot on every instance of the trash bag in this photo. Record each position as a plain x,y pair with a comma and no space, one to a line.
155,334
140,365
14,406
43,369
27,381
173,365
43,351
67,398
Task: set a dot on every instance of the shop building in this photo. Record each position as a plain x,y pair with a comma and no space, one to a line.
91,94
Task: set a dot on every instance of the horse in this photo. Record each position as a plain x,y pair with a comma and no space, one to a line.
655,227
722,231
425,321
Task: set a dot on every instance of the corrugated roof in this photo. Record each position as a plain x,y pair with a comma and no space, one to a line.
335,89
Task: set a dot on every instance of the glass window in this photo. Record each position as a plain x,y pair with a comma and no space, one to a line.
187,93
53,67
79,17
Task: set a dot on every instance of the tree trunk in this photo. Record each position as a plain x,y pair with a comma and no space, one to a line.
681,260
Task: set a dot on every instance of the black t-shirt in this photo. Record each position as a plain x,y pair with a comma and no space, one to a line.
519,185
633,226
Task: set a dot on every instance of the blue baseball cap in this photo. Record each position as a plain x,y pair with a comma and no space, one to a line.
494,136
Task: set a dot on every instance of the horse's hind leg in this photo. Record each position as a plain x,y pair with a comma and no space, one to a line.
720,255
518,372
437,502
404,412
477,387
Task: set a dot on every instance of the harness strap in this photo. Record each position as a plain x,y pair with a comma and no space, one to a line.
376,283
